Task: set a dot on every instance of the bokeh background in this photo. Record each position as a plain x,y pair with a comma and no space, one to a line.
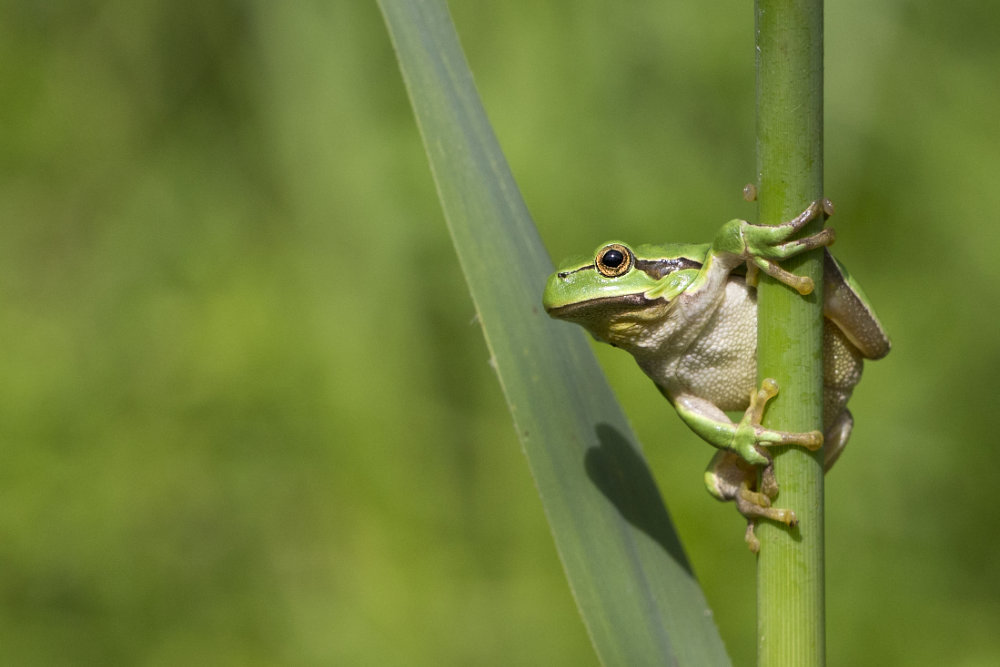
247,416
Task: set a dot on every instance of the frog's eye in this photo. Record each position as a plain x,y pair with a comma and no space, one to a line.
614,260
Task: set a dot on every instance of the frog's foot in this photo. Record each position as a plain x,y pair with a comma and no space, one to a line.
750,438
755,505
765,245
729,477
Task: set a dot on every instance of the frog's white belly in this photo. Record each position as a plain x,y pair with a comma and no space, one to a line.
720,363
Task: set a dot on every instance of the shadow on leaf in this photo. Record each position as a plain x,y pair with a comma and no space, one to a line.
624,478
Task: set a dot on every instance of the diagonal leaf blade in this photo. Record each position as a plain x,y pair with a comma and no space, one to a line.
625,565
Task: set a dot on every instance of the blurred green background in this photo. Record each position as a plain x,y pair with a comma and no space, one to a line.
247,415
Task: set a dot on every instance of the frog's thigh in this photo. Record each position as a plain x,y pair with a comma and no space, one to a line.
726,473
836,438
842,364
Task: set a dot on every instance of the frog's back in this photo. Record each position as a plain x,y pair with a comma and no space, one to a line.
845,304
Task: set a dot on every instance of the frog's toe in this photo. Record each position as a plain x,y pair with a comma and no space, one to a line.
751,538
811,440
755,505
821,239
820,207
802,284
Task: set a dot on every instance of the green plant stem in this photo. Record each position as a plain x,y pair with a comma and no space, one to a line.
790,577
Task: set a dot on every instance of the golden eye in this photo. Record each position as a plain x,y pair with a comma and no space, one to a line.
614,260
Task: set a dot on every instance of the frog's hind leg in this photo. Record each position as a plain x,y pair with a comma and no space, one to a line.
836,438
729,477
842,366
845,304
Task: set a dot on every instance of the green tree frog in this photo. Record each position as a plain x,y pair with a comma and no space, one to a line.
688,315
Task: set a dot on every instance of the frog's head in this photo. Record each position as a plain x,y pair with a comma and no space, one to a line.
618,293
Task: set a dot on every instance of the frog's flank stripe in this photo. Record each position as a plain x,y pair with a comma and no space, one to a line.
657,268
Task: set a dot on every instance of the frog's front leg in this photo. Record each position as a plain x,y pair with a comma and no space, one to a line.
763,246
748,438
731,477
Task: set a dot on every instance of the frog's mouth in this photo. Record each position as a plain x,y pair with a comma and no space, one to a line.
604,308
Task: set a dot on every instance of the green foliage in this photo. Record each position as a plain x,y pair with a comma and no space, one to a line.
248,419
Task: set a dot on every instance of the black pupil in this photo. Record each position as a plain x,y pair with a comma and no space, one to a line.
613,258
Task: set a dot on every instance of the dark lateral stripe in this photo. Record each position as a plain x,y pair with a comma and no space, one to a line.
563,274
657,268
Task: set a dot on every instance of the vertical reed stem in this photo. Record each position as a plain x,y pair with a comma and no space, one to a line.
790,574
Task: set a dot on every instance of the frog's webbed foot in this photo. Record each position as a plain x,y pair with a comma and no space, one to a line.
766,245
756,505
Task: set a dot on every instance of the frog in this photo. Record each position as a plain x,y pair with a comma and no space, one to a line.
687,313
